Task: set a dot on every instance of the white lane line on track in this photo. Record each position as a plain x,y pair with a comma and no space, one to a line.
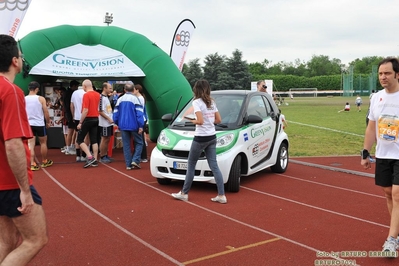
331,186
124,230
314,207
331,168
198,206
326,128
228,217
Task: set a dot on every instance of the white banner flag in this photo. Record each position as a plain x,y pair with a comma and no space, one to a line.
181,41
12,13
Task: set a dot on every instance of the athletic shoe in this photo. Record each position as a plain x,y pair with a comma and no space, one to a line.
34,167
109,158
70,152
390,246
95,164
63,150
220,199
134,164
105,160
180,196
128,168
89,162
47,163
144,160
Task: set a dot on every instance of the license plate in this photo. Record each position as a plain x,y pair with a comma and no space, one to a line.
180,165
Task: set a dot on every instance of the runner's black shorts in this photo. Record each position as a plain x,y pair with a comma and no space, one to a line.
10,201
106,131
39,131
386,172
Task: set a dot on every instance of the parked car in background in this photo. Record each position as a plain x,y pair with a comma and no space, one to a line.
250,138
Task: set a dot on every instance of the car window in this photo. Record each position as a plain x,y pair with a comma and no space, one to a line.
257,107
229,107
267,105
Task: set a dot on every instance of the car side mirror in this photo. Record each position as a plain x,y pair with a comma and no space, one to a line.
254,119
273,115
167,117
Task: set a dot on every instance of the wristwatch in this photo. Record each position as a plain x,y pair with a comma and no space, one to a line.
365,154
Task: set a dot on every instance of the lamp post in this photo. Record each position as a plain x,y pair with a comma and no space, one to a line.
108,19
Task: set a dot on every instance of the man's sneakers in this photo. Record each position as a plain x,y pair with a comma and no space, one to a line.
390,247
220,199
137,165
80,159
90,161
47,163
34,167
180,196
105,159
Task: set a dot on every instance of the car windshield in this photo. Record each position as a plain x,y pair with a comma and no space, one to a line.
229,107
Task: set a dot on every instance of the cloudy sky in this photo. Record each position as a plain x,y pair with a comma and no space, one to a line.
276,30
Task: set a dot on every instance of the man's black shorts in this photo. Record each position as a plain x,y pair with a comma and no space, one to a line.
39,131
10,201
386,172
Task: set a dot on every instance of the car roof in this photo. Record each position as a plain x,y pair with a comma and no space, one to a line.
239,92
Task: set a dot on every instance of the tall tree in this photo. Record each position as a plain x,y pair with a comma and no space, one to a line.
238,71
365,65
321,65
193,71
215,64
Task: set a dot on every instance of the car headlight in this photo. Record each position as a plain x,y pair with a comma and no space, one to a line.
224,140
163,139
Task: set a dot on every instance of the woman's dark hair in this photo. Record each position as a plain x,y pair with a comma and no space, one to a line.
202,90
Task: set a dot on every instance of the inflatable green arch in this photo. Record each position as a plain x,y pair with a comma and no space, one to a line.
163,82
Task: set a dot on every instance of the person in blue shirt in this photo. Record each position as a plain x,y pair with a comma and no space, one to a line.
128,116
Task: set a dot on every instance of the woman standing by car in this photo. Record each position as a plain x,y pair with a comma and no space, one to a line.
206,116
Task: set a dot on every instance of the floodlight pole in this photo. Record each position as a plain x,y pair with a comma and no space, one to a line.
108,19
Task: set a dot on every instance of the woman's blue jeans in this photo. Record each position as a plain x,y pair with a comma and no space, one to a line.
138,146
209,147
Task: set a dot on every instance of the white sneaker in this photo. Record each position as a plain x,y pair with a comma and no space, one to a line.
220,199
180,196
390,247
70,152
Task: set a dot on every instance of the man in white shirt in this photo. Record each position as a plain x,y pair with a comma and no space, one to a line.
76,110
105,122
383,128
39,121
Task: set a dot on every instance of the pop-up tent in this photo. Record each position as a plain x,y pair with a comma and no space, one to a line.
106,53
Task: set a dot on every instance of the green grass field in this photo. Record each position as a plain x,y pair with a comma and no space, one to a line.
315,128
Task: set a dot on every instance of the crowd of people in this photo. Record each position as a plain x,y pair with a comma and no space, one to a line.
89,117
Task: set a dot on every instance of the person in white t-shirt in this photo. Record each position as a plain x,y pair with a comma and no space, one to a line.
76,110
383,128
207,115
39,121
105,122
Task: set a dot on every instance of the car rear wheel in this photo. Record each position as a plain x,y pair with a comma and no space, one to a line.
164,181
282,159
233,184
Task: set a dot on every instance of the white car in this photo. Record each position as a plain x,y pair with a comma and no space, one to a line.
250,138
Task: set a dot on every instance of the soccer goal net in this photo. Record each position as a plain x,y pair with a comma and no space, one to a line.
303,92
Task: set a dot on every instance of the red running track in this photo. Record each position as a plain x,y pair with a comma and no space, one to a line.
311,214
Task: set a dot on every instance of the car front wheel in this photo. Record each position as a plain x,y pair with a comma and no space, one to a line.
233,184
282,159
